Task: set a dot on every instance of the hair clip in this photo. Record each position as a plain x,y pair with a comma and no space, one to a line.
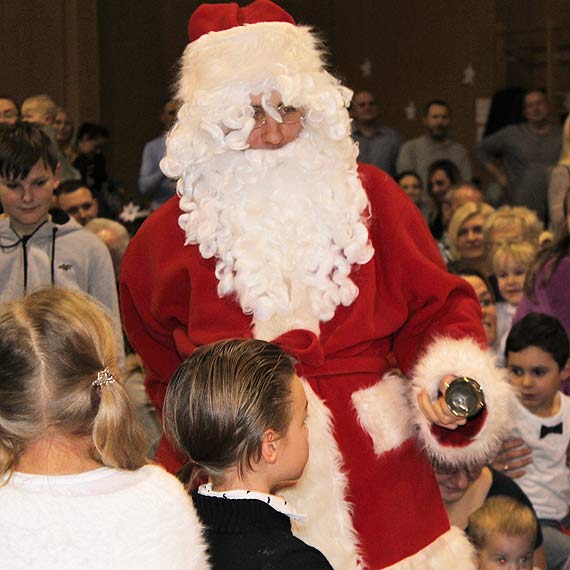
103,377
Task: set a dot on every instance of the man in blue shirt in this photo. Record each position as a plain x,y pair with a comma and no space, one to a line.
377,144
152,182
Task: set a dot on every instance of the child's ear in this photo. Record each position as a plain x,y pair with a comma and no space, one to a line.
565,372
270,446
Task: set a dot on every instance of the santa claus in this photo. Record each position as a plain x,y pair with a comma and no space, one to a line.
277,233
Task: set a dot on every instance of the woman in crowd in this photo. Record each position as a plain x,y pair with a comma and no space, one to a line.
75,490
442,175
64,130
411,183
486,297
546,287
560,181
465,233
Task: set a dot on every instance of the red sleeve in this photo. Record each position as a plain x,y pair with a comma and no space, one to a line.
152,308
441,329
414,274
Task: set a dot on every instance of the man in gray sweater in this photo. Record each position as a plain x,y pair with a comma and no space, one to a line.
518,156
418,154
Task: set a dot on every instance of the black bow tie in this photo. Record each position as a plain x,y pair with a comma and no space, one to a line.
545,430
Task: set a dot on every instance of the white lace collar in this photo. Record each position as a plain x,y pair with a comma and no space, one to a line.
274,501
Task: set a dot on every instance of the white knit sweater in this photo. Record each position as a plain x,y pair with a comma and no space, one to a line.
100,520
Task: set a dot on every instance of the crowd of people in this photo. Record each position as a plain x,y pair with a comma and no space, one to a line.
291,326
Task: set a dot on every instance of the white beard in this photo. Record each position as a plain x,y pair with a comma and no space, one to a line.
285,227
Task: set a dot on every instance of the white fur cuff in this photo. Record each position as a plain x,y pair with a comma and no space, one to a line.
463,358
384,412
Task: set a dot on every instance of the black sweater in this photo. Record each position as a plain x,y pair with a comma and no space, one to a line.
247,534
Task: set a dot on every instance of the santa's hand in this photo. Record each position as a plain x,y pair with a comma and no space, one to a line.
437,411
513,456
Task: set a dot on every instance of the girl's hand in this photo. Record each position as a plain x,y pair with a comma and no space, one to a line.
437,411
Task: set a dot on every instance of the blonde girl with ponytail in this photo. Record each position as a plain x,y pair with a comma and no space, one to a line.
75,487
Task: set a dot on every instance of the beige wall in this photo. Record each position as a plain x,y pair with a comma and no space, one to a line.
114,60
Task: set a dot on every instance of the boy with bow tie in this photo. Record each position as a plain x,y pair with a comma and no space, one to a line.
537,352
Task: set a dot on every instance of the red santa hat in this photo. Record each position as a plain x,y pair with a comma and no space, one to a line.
218,17
252,44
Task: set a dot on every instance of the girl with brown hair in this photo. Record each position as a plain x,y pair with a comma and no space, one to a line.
236,410
75,490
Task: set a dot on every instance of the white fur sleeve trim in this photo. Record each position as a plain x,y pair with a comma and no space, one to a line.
464,358
384,412
328,525
450,550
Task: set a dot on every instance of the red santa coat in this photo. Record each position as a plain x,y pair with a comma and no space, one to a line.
409,313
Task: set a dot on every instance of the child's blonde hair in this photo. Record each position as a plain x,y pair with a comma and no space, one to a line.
522,252
222,399
503,515
509,216
53,344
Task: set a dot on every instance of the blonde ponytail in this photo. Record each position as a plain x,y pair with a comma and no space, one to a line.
54,345
118,435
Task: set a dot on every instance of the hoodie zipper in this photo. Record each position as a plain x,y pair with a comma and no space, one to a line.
24,241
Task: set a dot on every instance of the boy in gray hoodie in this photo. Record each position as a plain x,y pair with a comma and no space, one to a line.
38,248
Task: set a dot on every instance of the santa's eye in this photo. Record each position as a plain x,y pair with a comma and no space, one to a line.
259,115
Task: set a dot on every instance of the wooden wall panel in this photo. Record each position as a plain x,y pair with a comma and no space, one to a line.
114,61
82,95
32,48
132,80
418,51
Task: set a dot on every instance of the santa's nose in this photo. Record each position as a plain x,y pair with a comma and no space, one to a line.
271,131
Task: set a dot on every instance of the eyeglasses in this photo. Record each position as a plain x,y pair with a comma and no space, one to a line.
289,115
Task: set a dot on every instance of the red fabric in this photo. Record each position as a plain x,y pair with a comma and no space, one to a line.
460,439
170,306
218,17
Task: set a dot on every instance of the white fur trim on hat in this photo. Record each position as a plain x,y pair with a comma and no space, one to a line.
464,357
450,550
252,53
384,412
221,71
328,525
